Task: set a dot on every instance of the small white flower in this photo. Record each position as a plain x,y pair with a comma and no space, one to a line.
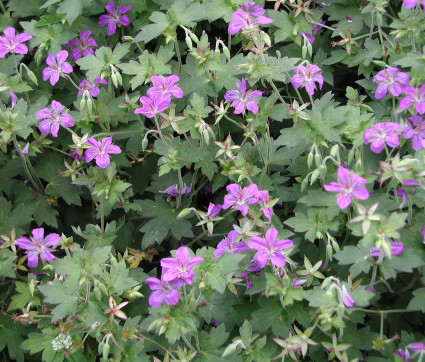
62,341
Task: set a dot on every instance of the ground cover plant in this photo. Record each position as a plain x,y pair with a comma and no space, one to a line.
212,180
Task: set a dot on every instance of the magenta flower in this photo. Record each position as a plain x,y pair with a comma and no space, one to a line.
390,78
415,129
264,197
83,45
408,4
56,67
416,346
13,43
247,18
423,235
164,86
100,151
38,246
307,76
52,118
414,96
397,248
403,353
242,98
381,134
114,17
174,191
230,245
13,99
403,194
26,149
310,37
181,267
269,247
346,297
213,211
347,186
240,198
152,106
163,291
92,87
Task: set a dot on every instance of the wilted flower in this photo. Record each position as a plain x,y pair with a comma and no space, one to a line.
316,28
240,198
181,267
347,186
13,43
38,246
56,67
242,99
52,118
114,17
296,283
264,197
174,191
83,45
307,76
381,134
164,86
230,245
100,151
163,291
152,106
397,248
415,129
247,18
390,78
414,96
269,248
346,297
92,87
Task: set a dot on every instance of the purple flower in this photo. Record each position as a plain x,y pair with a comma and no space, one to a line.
242,98
415,129
163,291
346,297
152,106
347,186
349,18
296,283
52,118
240,198
307,76
181,267
403,194
230,245
269,247
92,87
174,191
397,248
13,43
56,67
247,18
263,196
423,235
83,45
164,86
13,99
381,134
390,78
100,151
403,353
213,211
414,96
408,4
26,149
310,37
38,246
318,27
416,346
114,17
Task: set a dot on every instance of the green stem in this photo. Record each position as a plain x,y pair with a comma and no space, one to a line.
56,149
102,218
374,272
72,82
4,9
179,59
381,329
233,121
113,133
179,197
160,132
277,91
389,311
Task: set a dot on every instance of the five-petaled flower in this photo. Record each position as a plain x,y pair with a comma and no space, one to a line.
392,79
230,245
164,86
241,198
415,129
381,134
100,151
152,106
83,45
269,248
13,43
242,99
306,76
52,118
181,267
163,291
91,87
247,18
414,96
114,17
348,186
56,67
408,4
38,246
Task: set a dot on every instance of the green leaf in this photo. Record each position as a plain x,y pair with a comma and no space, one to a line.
7,265
152,31
23,297
417,303
71,8
284,25
11,336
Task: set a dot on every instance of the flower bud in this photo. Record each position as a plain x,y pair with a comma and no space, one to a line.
226,52
82,104
32,77
310,159
314,176
189,42
194,37
329,251
317,159
144,143
114,79
334,150
304,184
105,351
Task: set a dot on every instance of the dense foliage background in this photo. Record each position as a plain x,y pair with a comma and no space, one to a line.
266,166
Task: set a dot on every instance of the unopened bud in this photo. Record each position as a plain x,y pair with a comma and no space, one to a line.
114,79
32,77
310,49
329,251
317,159
304,184
189,42
127,38
334,150
226,52
82,104
335,246
304,52
194,37
89,104
314,176
267,39
105,351
144,144
310,159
